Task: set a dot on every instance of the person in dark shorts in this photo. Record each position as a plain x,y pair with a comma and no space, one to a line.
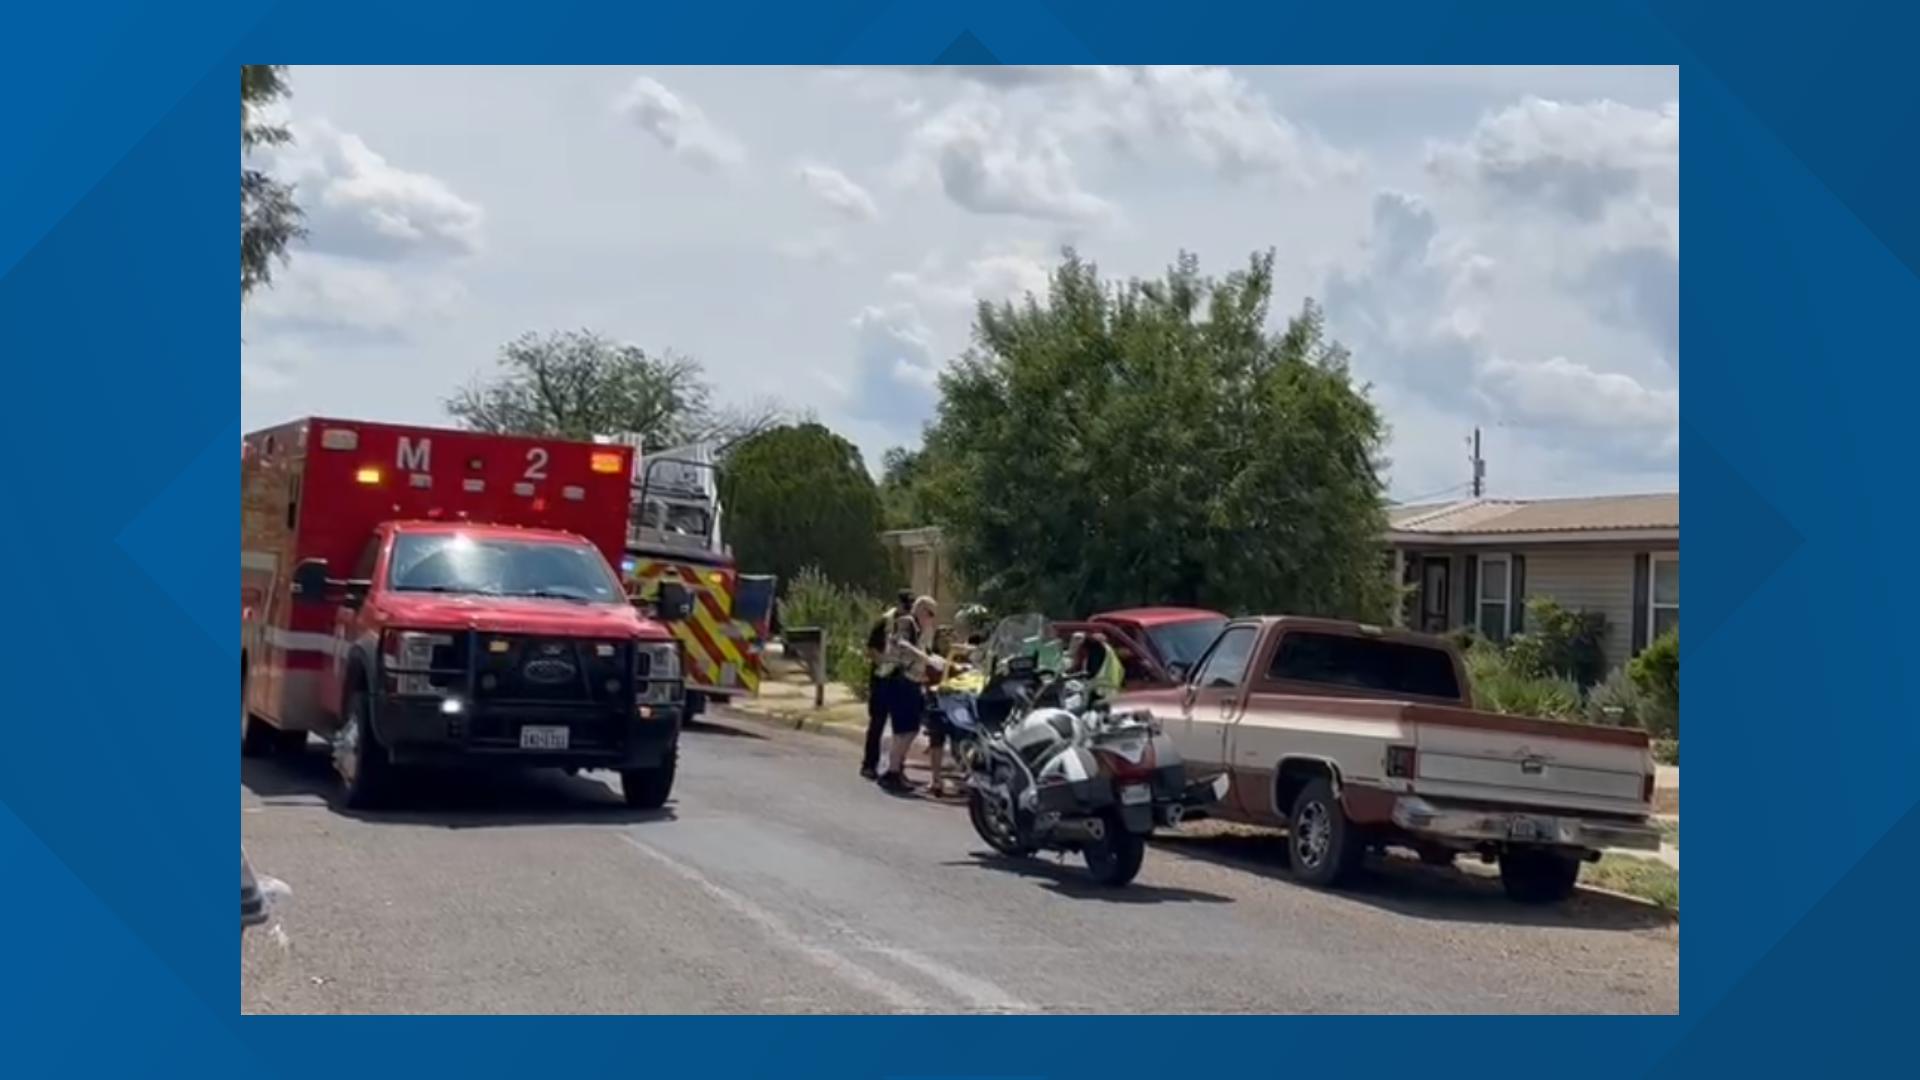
907,664
878,700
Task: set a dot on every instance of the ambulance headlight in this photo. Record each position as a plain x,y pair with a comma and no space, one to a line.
410,657
662,661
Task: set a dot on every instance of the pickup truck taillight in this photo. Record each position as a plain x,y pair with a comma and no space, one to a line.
1402,762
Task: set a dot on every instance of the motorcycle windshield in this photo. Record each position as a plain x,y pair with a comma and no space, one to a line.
1020,635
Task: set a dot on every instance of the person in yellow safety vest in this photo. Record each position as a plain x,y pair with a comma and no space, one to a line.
1101,662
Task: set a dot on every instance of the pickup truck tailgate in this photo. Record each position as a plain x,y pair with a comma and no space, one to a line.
1467,755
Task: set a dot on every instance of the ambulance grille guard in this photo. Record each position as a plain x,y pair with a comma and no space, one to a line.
512,679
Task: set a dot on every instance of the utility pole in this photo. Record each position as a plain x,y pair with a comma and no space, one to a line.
1479,467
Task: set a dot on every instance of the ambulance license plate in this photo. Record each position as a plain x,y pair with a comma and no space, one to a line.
543,737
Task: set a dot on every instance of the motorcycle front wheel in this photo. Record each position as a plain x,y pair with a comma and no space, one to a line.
1114,859
993,826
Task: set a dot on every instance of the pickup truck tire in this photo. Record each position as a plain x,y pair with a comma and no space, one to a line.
647,789
1114,860
1533,876
366,774
1322,845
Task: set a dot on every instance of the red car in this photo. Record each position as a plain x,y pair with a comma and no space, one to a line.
1158,645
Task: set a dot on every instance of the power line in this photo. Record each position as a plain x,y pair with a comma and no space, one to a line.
1448,490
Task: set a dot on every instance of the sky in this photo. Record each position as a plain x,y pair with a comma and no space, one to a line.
1497,247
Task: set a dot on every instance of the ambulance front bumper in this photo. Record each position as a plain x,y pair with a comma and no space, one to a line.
426,731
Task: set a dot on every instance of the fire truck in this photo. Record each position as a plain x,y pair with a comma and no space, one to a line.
421,596
675,536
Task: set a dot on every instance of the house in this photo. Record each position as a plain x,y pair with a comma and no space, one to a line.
1476,562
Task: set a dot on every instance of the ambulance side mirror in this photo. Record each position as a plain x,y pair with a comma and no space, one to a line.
310,581
673,603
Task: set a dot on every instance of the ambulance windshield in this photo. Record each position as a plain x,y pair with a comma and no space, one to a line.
486,566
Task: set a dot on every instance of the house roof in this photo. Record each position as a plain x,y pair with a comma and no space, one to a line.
1591,517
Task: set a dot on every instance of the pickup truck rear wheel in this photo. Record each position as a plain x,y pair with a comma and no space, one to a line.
1535,876
1324,847
647,789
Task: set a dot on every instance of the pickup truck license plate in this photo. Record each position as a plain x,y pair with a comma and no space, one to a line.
1135,794
1523,829
543,737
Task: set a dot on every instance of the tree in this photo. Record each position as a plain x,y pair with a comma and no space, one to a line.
902,501
800,496
578,384
1152,442
269,217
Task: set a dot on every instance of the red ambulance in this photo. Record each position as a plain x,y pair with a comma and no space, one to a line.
420,596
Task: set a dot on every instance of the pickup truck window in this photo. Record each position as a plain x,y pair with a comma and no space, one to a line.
1226,665
1387,667
1183,642
453,563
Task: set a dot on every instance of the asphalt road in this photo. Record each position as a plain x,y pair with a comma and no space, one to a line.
778,882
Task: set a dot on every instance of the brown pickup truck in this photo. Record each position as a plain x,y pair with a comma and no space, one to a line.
1355,737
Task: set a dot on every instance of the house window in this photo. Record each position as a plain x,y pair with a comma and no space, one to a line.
1663,597
1496,578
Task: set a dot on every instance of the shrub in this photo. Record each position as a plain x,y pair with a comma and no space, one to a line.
845,614
1560,643
1656,675
1614,701
1498,686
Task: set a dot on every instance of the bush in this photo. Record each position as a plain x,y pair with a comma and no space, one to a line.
1498,686
845,614
1656,675
1667,752
1560,643
1614,701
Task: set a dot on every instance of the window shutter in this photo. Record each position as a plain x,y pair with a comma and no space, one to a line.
1642,581
1472,592
1517,596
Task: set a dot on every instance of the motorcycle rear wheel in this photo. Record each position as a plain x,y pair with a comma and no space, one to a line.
993,827
1114,860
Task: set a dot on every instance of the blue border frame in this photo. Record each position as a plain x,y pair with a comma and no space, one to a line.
115,201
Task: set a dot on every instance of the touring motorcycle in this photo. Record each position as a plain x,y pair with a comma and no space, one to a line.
1051,765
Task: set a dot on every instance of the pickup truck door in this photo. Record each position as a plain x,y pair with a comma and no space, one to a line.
1215,695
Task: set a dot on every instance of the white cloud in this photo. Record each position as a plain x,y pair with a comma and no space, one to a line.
1417,316
823,247
895,343
358,203
347,301
838,191
1211,113
679,125
1578,158
1558,392
987,164
1000,273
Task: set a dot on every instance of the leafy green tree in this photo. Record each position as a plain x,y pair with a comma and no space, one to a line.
799,496
1154,442
578,384
269,217
903,501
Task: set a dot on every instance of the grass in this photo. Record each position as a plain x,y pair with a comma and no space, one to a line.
1669,832
1644,878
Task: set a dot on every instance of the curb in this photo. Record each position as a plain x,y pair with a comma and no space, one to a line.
800,720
